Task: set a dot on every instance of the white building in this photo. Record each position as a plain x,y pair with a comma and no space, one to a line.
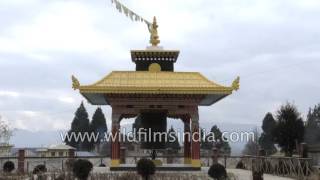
5,149
60,150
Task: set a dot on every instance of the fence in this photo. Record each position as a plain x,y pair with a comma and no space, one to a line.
292,167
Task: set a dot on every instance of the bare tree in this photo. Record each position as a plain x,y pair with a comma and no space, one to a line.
5,132
252,146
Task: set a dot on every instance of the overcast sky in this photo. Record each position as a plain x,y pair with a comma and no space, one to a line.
273,45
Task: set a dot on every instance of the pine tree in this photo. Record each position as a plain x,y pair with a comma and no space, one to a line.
215,139
312,134
205,141
98,124
208,140
289,130
80,124
225,148
266,140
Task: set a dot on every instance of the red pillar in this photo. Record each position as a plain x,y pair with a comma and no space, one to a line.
187,141
21,160
115,144
195,140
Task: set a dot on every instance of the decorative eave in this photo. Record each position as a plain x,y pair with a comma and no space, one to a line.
153,83
154,55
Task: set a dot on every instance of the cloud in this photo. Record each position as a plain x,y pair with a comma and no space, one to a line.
69,100
9,93
273,46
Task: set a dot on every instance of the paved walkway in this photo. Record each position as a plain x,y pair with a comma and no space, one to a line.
246,175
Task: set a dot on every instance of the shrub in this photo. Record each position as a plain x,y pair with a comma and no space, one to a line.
39,169
145,168
82,168
8,166
218,172
240,165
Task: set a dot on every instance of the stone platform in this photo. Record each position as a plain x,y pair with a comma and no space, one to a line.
164,167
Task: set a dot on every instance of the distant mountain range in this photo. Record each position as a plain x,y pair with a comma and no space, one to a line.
25,138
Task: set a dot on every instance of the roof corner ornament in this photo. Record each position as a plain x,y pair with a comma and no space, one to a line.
236,84
153,29
75,82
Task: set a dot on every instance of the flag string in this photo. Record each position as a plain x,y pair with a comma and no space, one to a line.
129,13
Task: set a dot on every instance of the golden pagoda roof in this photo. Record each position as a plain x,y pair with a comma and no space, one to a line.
154,82
146,82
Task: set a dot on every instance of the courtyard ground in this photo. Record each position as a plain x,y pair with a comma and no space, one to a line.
239,174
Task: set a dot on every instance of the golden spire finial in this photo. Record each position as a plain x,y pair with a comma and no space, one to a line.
154,38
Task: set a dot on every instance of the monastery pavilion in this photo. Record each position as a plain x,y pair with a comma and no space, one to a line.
155,91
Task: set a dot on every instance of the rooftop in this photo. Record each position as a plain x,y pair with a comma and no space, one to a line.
153,82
